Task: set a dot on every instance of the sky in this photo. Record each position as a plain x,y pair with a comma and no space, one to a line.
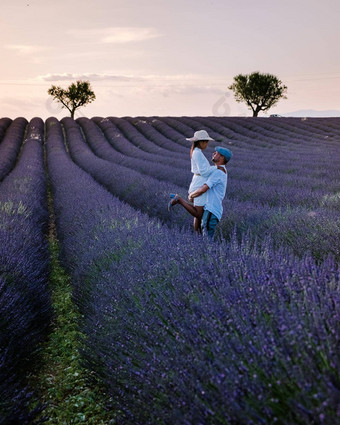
168,57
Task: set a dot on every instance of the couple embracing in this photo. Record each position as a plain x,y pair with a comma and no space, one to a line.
208,186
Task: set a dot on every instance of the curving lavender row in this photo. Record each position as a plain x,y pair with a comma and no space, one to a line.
10,145
123,145
102,148
141,191
312,167
225,133
277,189
291,131
162,127
290,192
242,135
132,133
272,190
25,305
4,124
311,128
178,125
262,195
156,137
69,183
185,331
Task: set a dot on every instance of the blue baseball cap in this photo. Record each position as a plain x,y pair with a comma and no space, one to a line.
224,152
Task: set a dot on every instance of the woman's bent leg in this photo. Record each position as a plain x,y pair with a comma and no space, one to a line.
189,207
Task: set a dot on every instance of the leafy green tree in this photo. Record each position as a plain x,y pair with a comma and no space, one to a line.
259,91
76,95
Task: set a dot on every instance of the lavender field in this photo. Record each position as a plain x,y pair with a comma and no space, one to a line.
243,330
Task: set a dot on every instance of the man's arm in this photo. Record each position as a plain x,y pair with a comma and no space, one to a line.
198,192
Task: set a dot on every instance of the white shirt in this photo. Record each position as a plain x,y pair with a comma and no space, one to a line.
200,164
201,167
217,182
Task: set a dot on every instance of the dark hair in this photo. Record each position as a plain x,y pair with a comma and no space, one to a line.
193,146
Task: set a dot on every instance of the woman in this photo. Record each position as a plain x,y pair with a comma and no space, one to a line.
201,169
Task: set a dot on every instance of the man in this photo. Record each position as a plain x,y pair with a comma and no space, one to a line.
215,186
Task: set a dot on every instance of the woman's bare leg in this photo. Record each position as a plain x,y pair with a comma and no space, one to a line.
196,212
198,219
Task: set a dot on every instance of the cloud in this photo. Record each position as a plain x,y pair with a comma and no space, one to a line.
116,35
192,89
25,49
165,85
174,90
88,76
129,34
186,85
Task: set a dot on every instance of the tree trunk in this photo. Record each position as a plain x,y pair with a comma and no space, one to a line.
257,110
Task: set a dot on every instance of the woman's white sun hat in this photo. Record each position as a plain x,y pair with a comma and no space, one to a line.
200,135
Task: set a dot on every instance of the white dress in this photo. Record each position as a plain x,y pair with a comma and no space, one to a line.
201,169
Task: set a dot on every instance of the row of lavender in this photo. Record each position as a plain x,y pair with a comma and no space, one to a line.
291,158
276,165
182,331
290,192
25,307
144,192
131,192
287,182
11,137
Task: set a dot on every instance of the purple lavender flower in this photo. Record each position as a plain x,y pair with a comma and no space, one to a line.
25,306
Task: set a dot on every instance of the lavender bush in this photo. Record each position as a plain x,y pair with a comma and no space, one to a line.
102,148
279,185
10,145
4,124
25,307
184,339
138,139
125,146
274,192
184,331
141,191
169,132
152,134
180,330
178,125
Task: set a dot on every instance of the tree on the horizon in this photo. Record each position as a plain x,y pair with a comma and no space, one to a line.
259,91
76,95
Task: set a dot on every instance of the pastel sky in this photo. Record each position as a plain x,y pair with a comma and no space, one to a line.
167,57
